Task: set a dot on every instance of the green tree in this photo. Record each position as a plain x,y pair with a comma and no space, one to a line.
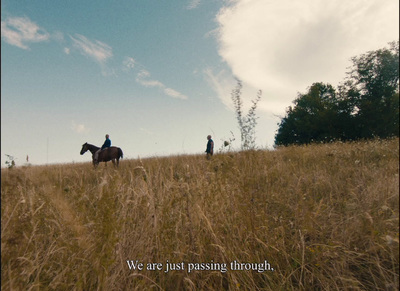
314,117
372,87
366,105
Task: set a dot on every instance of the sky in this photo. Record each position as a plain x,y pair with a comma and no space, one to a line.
157,76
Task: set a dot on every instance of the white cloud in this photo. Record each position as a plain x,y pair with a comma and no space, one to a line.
67,50
282,47
143,74
78,128
143,78
174,94
193,4
97,50
19,31
129,63
151,83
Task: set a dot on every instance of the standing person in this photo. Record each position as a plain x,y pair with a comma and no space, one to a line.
106,144
210,147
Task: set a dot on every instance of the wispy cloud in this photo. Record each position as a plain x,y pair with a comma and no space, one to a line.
193,4
97,50
174,94
143,78
129,63
78,128
222,83
19,31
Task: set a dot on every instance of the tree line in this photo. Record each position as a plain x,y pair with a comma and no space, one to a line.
365,105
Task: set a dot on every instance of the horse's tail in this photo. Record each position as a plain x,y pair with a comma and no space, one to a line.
120,153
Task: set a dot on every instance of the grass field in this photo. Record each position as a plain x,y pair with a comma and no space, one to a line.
318,217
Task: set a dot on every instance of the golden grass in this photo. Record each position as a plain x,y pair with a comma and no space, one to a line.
325,217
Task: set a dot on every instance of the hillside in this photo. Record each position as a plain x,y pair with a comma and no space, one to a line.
318,217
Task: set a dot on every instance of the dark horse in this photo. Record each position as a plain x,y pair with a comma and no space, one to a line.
108,154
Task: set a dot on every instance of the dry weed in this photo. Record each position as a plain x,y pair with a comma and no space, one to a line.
323,217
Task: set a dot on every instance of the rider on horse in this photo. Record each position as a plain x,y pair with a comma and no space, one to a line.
106,144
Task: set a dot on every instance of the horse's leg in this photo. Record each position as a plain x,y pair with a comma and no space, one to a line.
113,161
117,162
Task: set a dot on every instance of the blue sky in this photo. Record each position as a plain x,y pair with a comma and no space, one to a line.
157,75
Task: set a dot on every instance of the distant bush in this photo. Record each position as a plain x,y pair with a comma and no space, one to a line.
10,161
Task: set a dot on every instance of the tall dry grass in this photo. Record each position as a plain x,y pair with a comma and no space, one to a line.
325,217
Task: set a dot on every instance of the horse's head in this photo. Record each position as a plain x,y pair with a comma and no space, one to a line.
84,148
